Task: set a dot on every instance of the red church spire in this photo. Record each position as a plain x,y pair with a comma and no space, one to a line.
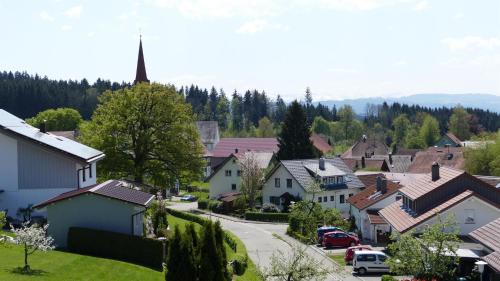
140,74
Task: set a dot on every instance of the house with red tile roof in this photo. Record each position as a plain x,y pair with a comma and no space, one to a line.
449,139
109,206
444,191
452,157
489,236
366,204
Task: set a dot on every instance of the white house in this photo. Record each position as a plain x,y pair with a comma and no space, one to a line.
448,192
109,206
366,204
290,180
36,166
227,177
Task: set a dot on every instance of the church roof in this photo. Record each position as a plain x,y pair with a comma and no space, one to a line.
140,74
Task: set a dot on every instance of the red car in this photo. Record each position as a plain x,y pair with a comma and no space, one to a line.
339,239
349,253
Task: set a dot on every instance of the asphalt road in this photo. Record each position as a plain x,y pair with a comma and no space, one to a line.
261,244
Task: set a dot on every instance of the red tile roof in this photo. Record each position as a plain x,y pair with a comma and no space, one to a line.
423,185
370,196
374,217
320,143
227,146
488,235
402,221
112,189
453,138
369,179
423,159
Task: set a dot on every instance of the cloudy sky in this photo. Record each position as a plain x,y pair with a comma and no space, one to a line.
339,48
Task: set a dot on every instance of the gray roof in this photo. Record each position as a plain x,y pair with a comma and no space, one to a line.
400,163
298,170
209,131
11,124
329,170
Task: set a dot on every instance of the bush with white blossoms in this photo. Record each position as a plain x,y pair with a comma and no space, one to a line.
32,238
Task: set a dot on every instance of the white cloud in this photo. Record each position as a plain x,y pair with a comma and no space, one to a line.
342,70
45,16
74,12
422,5
66,27
257,25
469,43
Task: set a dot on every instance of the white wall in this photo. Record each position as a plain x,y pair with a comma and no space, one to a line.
484,214
342,207
88,180
8,164
362,221
270,190
219,183
13,200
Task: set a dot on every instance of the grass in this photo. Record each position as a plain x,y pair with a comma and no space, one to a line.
339,259
202,185
57,265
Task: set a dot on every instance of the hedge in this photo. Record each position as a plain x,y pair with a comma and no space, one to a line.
187,216
270,217
203,204
118,246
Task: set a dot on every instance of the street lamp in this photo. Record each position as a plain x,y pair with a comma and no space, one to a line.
480,267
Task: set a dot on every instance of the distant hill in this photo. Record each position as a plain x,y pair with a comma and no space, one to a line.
482,101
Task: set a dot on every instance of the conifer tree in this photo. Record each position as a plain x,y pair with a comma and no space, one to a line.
211,267
174,257
294,138
219,242
188,259
190,230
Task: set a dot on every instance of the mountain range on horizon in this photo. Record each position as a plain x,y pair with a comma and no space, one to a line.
482,101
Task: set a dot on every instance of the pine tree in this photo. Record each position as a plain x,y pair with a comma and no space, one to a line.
174,257
211,267
294,138
191,230
219,242
188,259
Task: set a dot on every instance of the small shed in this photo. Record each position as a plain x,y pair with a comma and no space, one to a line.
109,206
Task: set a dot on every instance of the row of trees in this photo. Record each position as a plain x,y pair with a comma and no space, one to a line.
485,159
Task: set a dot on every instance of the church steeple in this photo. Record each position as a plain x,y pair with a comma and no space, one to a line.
140,74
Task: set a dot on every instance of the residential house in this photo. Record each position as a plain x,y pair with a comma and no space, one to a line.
366,147
290,181
36,165
209,133
366,204
445,191
452,157
448,139
109,206
320,144
489,236
227,176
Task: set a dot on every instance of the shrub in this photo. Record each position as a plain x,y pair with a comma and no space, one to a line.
215,206
388,278
271,217
230,242
270,208
187,216
203,204
240,204
239,264
106,244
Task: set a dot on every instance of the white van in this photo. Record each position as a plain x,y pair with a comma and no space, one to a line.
369,261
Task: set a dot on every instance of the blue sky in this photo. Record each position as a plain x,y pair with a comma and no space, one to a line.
339,48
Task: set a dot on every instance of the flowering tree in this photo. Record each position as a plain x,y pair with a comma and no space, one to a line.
32,238
252,177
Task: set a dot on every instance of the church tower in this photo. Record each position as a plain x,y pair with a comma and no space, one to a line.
140,74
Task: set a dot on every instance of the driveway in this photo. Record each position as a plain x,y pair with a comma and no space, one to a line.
261,243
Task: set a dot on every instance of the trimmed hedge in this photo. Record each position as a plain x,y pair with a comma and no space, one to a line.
270,217
202,204
187,216
118,246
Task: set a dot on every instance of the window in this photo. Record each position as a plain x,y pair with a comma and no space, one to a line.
331,180
274,200
289,183
325,180
276,182
470,217
228,173
319,199
339,179
350,194
325,198
332,198
233,186
381,258
342,199
84,174
370,258
238,173
341,235
90,170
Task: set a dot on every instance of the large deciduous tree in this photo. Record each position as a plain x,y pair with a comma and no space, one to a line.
61,119
294,138
459,123
401,126
147,133
429,132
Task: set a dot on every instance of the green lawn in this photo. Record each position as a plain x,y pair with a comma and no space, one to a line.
339,259
57,265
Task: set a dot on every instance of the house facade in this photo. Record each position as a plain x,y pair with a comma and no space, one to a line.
489,236
447,192
227,177
109,206
290,181
36,165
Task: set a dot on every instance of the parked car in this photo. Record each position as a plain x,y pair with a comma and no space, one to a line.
339,239
349,253
369,261
324,229
190,198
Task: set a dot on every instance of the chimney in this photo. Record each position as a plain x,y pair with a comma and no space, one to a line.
363,163
235,150
435,171
383,187
322,163
390,158
379,183
43,127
